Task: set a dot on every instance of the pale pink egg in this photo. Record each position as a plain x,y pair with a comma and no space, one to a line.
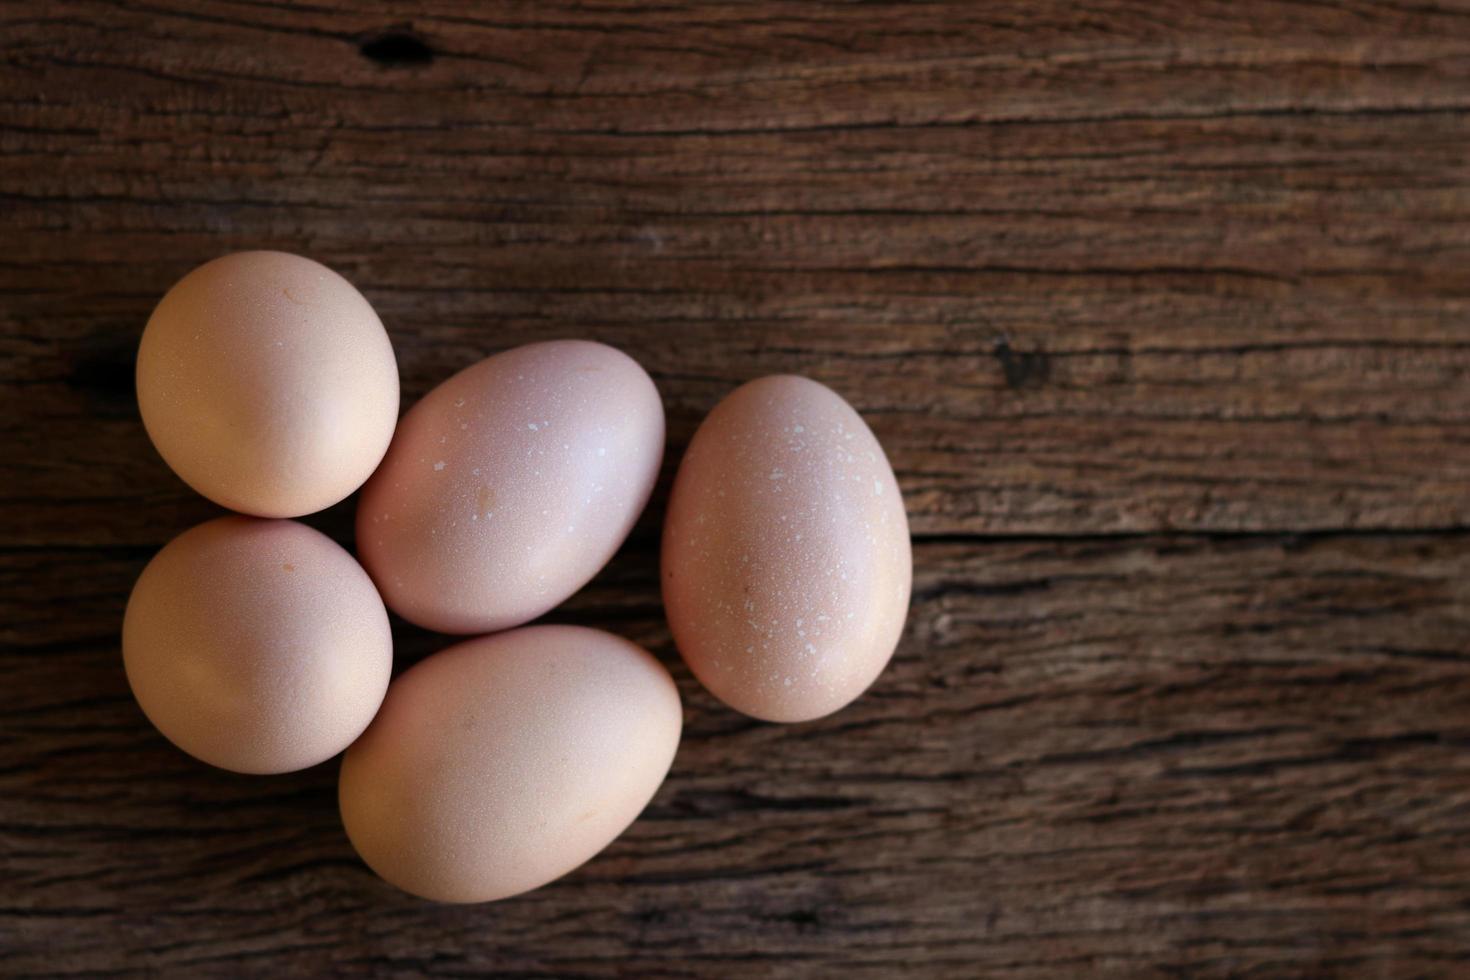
786,560
510,485
504,762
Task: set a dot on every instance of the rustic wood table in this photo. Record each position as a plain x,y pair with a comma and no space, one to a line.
1162,311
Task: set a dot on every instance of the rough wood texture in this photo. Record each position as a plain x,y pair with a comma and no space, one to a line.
1170,753
1160,310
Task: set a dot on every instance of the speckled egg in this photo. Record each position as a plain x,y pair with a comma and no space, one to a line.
258,646
504,762
268,384
510,485
786,560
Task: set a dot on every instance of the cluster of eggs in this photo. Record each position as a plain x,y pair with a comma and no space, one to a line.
258,644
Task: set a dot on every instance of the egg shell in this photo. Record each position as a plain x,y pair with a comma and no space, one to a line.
268,384
258,646
786,562
504,762
510,485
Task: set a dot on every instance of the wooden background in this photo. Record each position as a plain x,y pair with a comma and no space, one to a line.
1161,309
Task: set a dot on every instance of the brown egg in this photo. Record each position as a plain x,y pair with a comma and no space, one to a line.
268,384
509,485
258,646
506,761
786,561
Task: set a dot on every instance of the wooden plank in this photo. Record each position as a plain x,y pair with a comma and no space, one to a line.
1120,270
1158,756
1094,274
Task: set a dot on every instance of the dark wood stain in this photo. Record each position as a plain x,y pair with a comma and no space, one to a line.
1022,368
397,49
1159,310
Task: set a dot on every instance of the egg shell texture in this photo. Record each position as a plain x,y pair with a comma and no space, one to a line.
510,485
786,563
268,384
258,646
504,762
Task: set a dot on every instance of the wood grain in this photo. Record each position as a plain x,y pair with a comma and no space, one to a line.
1126,270
1160,311
1151,756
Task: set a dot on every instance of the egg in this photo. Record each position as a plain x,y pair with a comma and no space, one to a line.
268,384
510,485
258,646
786,562
504,762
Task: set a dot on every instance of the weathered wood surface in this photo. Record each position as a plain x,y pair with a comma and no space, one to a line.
1114,269
1156,753
1162,312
